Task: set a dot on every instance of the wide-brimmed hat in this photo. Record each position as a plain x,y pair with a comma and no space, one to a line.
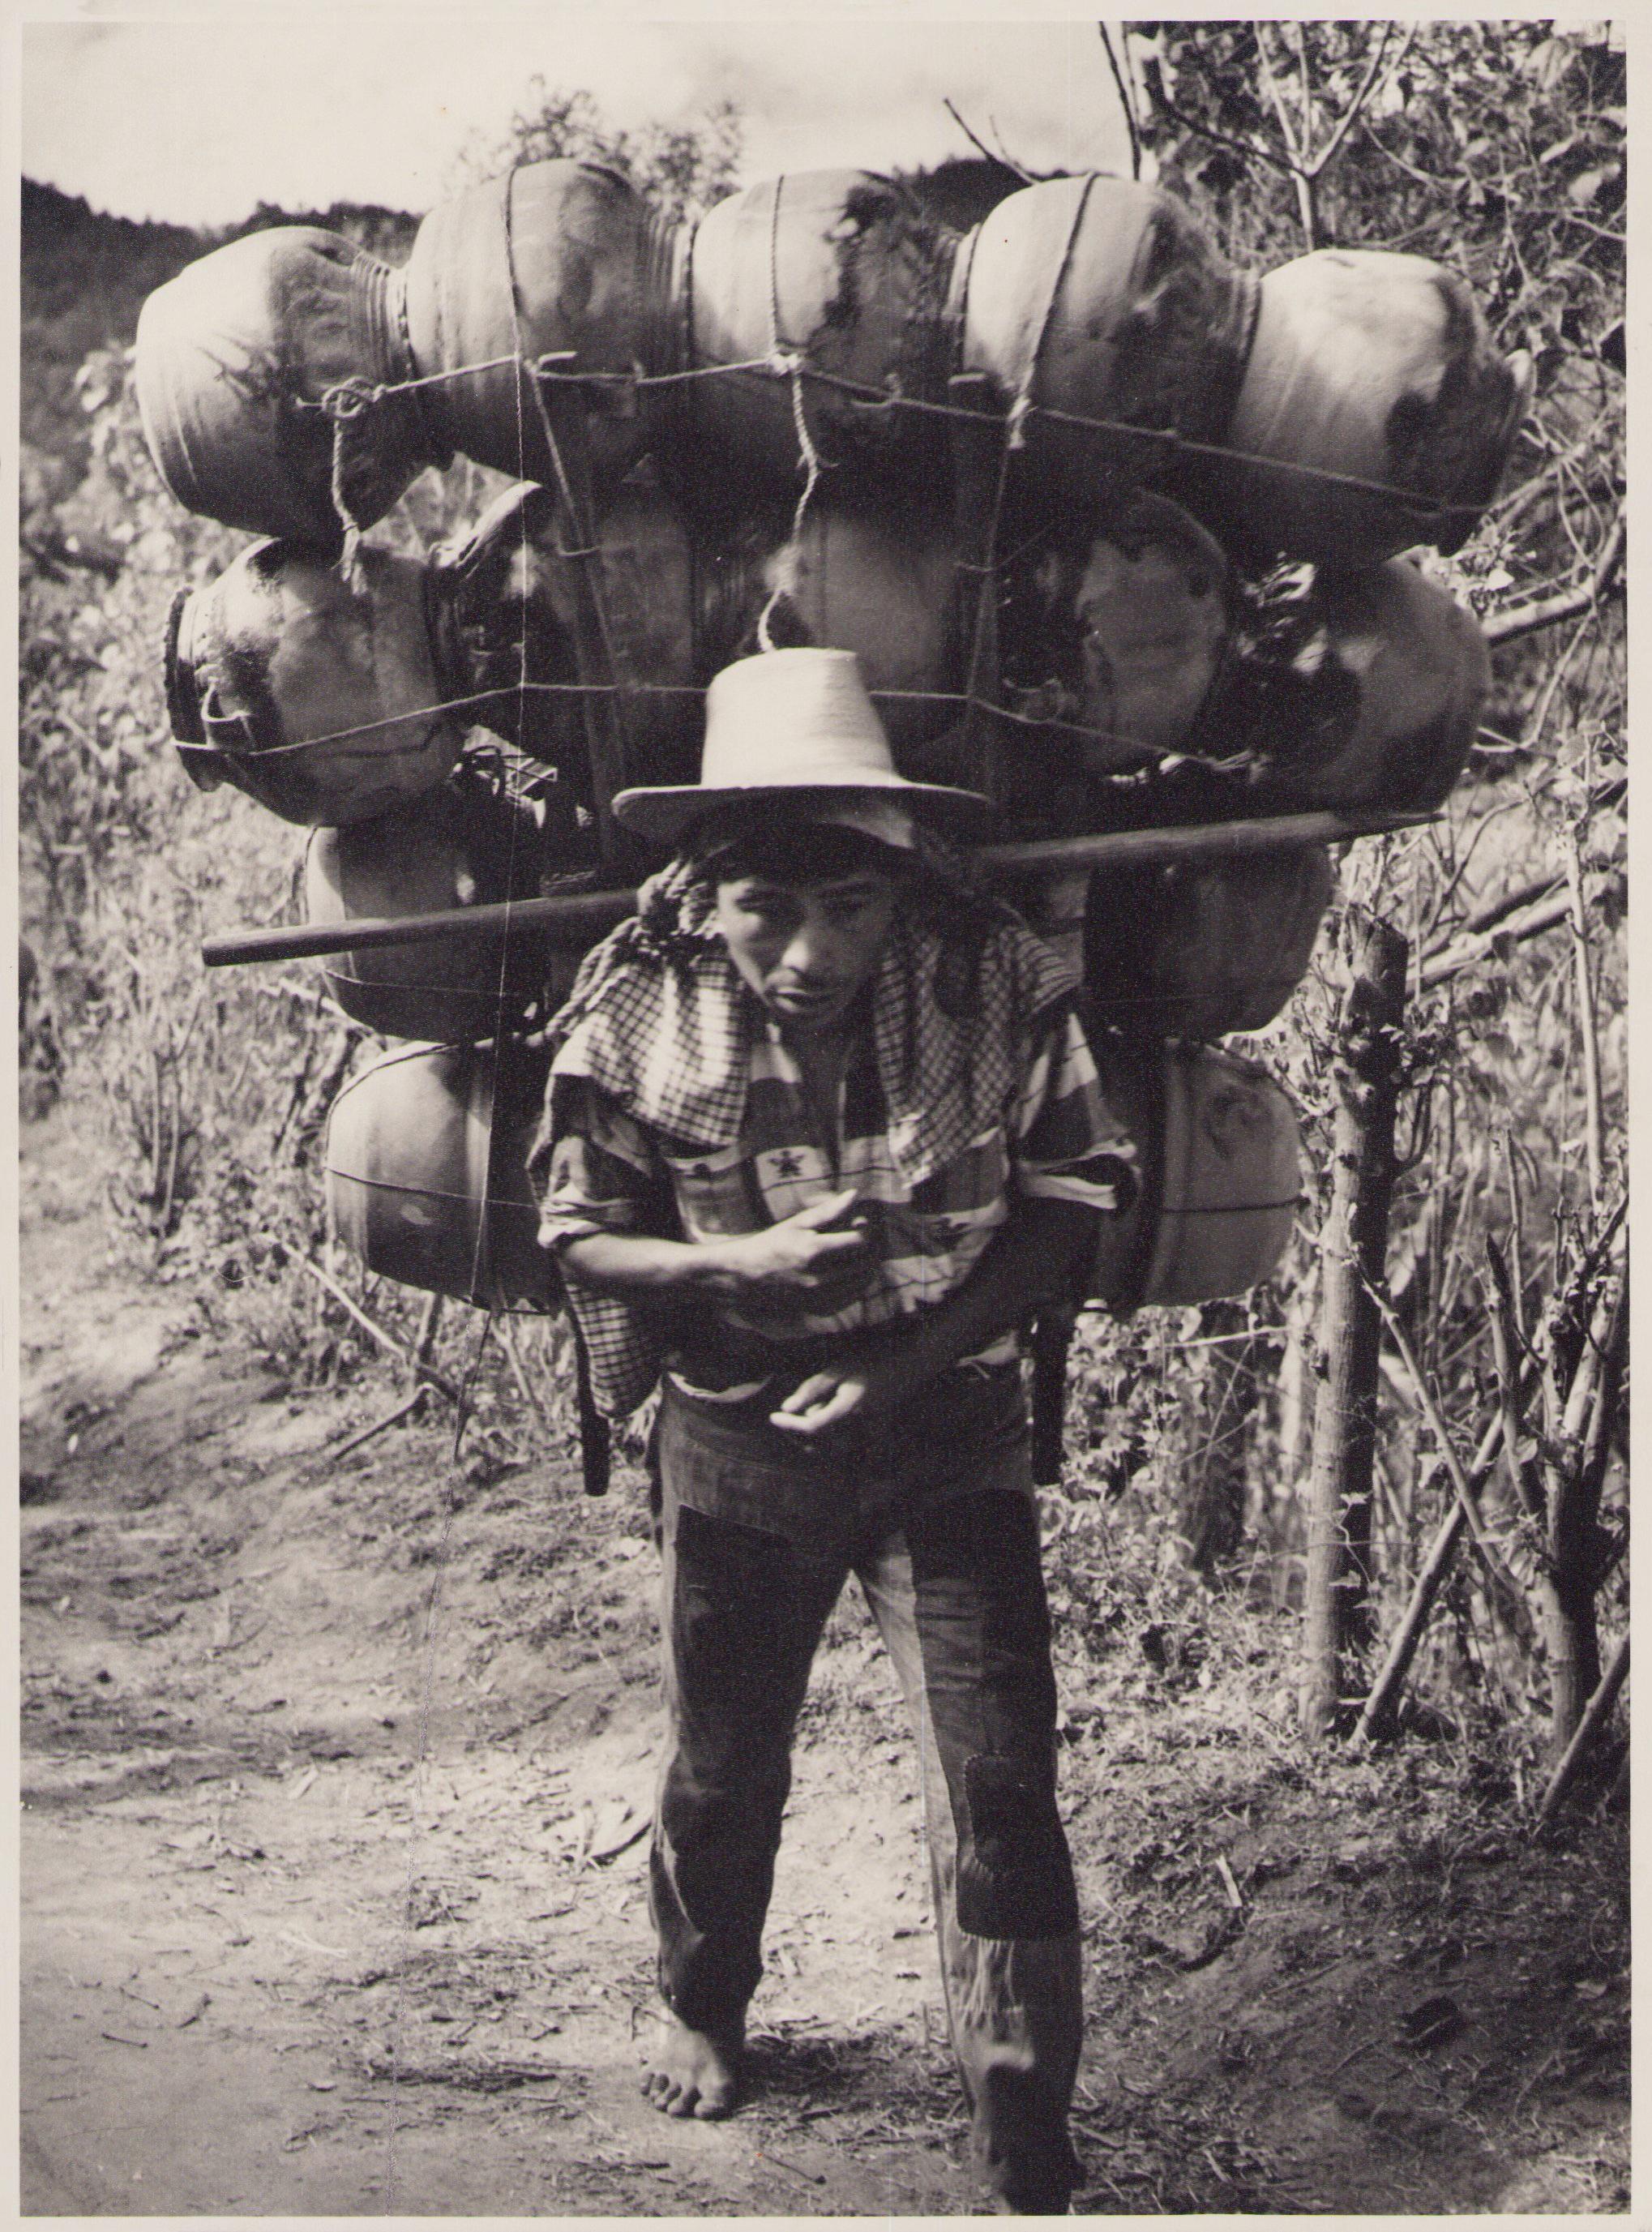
797,728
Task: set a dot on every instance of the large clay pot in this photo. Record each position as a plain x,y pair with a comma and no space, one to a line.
846,267
318,697
1221,1176
500,639
234,357
426,1174
1377,365
1368,695
1204,947
552,258
680,602
1118,637
505,614
1105,298
881,585
465,844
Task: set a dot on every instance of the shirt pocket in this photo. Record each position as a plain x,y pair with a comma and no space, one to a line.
715,1192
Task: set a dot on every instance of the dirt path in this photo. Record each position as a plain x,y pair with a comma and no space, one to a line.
273,1964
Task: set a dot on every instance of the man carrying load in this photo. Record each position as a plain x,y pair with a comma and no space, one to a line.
823,1129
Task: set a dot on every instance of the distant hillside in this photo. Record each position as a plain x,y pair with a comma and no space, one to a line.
85,276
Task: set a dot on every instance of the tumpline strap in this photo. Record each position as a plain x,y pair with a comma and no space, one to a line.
596,1442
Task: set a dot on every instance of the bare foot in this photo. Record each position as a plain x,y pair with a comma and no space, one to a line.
691,2073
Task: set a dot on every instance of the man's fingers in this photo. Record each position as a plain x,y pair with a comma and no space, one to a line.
814,1389
823,1211
819,1410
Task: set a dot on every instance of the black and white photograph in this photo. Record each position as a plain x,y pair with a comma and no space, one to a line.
822,1327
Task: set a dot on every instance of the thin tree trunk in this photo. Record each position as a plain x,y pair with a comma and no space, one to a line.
1594,1122
1574,1478
1353,1261
1213,1494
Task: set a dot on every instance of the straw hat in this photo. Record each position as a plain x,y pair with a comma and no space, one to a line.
797,726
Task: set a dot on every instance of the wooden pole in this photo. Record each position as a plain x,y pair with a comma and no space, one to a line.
576,918
1353,1252
1575,1431
1599,1712
1377,1713
1210,1517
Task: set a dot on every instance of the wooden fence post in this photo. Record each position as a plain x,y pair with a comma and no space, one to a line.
1353,1252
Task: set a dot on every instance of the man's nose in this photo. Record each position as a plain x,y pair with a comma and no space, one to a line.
808,952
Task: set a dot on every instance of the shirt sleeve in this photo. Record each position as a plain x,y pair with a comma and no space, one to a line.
597,1172
1066,1143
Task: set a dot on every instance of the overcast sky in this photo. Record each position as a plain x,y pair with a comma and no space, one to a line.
196,122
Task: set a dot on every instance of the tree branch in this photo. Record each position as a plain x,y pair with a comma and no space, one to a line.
1503,1588
1595,1718
424,1371
1544,612
1505,1348
1125,102
975,140
1301,177
1588,1029
1480,945
1294,147
1498,910
1257,148
1378,1708
1361,96
1422,178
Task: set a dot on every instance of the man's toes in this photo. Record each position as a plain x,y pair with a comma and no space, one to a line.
715,2100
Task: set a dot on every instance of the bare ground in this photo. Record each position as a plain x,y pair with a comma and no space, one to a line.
335,1777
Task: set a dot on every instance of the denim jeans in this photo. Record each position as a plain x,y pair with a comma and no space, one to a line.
937,1521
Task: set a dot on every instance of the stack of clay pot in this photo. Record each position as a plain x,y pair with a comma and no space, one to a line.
1186,489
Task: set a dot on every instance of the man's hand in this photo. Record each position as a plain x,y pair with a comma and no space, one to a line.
844,1391
793,1259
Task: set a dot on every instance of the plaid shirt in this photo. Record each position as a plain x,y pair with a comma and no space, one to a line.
676,1110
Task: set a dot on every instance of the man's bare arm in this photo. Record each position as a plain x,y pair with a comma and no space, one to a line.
790,1259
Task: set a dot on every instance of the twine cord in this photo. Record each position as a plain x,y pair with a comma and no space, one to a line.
350,403
785,362
788,365
478,1263
1013,438
421,1760
1032,722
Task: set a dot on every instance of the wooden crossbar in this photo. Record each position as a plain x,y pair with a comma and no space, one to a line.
576,918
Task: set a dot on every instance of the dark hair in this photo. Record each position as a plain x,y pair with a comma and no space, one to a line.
789,851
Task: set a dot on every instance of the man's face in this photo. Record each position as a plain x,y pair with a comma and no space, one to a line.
806,949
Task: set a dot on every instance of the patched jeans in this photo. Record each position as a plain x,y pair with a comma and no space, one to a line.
935,1518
